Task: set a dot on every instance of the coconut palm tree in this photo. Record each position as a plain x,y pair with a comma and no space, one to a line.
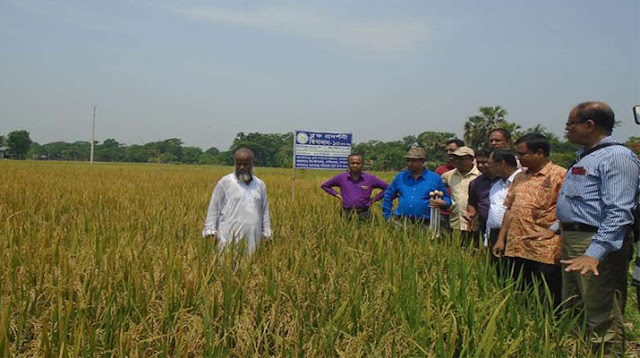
478,127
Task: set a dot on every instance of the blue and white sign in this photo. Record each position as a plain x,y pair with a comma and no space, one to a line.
321,150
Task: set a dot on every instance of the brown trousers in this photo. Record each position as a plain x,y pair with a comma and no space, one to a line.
601,299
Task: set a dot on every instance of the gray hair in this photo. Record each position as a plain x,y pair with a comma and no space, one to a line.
243,150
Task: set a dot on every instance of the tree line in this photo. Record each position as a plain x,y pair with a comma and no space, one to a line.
276,149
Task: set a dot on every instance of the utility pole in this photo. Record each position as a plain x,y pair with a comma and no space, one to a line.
93,132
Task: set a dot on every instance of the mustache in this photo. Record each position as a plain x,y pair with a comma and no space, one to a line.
243,174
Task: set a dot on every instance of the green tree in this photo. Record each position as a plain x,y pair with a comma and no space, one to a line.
34,151
137,153
19,143
191,154
540,129
266,147
111,151
168,150
434,144
478,127
213,151
634,144
73,152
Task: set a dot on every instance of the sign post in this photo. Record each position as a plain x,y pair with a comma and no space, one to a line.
320,150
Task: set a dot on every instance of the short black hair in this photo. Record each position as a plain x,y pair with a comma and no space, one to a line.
457,141
600,113
505,133
507,156
536,142
484,152
355,155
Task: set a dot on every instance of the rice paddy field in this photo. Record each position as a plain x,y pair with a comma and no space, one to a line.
108,261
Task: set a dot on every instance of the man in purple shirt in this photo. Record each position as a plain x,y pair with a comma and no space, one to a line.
355,188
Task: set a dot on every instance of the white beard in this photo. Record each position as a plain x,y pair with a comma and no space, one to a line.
244,176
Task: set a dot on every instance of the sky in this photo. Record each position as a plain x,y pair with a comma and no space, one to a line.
203,71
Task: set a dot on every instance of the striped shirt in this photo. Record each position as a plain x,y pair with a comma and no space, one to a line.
601,190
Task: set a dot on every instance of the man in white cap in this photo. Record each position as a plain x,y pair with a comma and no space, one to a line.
458,180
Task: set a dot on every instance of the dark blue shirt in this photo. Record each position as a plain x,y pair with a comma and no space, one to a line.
413,194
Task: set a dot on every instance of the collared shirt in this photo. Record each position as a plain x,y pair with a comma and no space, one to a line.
356,194
601,190
413,194
532,200
459,184
238,211
497,195
479,196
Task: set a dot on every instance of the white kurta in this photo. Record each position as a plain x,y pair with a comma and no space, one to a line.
238,211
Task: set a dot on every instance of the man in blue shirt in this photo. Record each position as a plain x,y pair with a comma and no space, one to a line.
412,187
595,213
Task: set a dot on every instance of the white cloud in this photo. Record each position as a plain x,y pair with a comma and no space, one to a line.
371,35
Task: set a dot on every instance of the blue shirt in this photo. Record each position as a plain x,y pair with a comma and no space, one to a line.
413,194
601,190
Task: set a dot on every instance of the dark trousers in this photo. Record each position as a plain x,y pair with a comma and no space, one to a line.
502,264
445,223
470,238
533,271
361,214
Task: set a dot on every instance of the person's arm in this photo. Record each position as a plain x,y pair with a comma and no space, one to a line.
212,219
470,216
379,184
617,176
389,195
266,218
498,248
330,184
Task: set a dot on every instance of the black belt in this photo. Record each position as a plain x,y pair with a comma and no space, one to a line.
578,227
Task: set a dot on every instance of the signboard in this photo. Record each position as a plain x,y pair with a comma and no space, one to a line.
321,150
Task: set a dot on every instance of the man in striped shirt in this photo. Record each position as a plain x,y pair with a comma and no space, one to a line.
595,213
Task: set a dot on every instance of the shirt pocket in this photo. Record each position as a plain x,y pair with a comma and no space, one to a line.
581,186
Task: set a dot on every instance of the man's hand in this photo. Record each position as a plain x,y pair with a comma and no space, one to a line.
471,221
584,264
498,249
437,203
339,197
546,234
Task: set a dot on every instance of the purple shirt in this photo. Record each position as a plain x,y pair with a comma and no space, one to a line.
356,194
479,196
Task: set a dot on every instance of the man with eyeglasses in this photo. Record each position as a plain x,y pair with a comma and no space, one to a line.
503,166
531,210
412,188
595,213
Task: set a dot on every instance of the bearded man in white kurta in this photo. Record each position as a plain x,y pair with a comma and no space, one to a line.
239,211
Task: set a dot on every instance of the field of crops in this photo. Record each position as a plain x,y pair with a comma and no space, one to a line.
108,260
